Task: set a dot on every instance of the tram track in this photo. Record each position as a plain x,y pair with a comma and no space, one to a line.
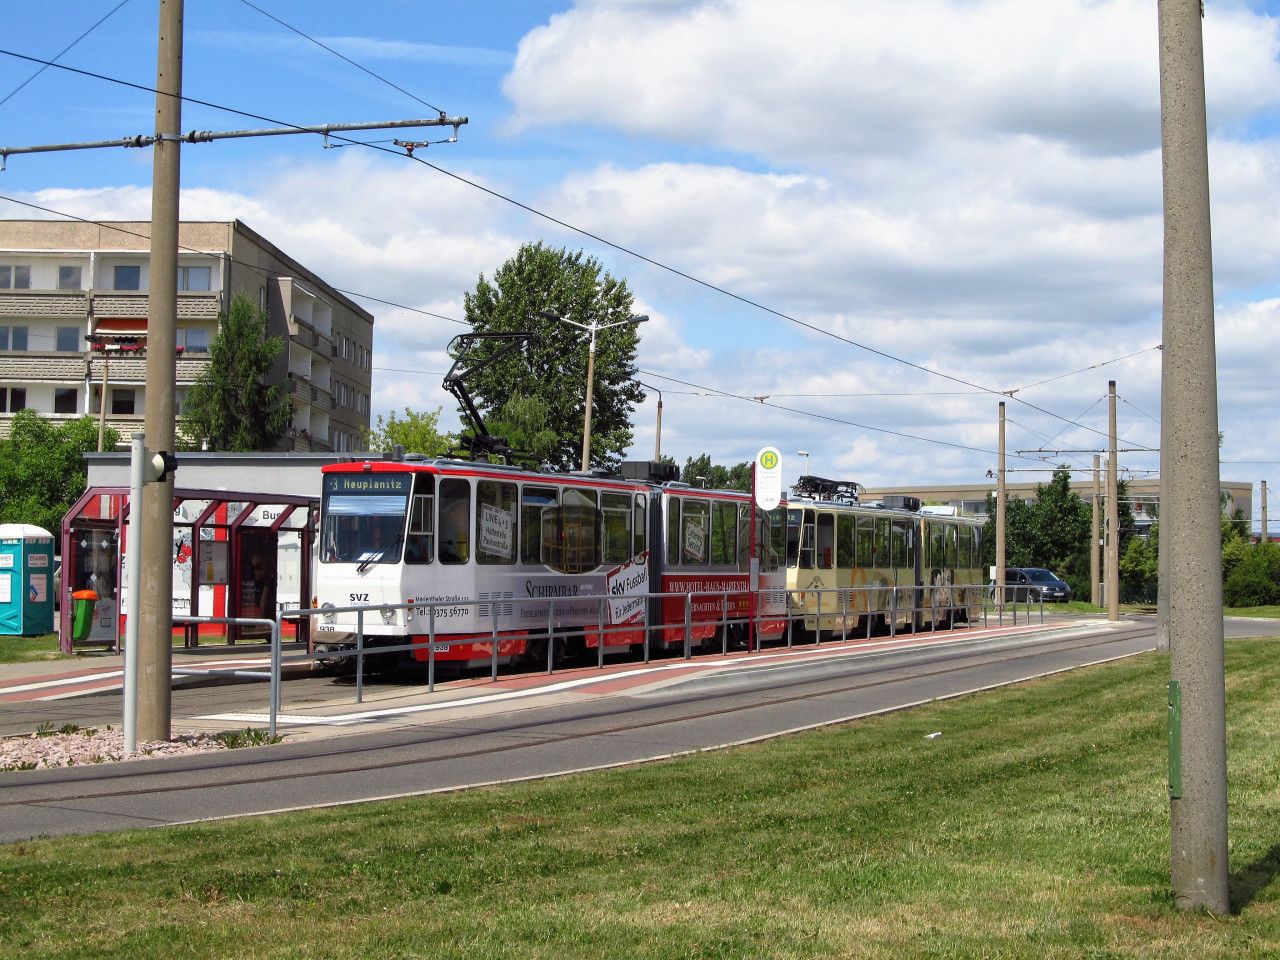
327,763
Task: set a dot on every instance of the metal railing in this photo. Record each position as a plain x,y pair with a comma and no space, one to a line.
840,614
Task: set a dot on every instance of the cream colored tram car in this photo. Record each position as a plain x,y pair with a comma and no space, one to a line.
854,568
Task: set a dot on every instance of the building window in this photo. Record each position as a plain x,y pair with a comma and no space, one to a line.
122,402
69,278
127,277
193,278
68,339
13,338
13,399
64,399
15,277
193,339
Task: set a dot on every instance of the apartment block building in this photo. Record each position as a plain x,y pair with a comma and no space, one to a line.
73,325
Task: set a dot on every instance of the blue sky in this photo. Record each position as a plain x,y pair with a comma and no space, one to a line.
972,186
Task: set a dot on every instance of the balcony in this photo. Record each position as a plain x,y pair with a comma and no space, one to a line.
42,367
134,369
55,304
192,305
306,335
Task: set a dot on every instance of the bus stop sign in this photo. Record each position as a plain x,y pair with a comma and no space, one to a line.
768,478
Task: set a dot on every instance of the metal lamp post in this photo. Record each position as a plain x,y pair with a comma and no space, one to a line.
657,441
593,327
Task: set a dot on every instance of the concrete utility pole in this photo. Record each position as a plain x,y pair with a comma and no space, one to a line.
1264,512
1000,555
1190,511
1095,533
155,619
1113,512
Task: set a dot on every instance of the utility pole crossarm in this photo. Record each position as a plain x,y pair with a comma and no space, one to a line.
208,136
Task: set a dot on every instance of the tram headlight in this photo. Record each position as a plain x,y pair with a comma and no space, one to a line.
388,615
328,616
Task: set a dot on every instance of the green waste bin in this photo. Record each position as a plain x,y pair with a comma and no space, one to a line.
82,604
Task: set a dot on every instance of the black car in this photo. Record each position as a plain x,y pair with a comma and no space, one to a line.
1034,584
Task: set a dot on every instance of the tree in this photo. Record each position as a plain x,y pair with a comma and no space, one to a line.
554,370
230,404
1052,531
418,432
522,422
701,472
42,468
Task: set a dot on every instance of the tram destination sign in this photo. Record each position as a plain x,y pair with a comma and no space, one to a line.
367,483
768,478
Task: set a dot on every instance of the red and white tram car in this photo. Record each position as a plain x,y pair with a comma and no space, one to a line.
479,550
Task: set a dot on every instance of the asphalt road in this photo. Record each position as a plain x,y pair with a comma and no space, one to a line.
529,736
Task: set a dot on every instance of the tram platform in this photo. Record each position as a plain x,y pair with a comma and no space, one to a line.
89,673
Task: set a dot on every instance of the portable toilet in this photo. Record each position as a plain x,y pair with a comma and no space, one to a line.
26,580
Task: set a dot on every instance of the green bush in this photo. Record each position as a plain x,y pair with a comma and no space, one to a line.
1254,579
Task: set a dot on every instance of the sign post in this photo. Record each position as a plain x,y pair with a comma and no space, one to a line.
766,494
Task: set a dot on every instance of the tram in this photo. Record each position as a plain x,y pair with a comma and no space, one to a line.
477,554
861,567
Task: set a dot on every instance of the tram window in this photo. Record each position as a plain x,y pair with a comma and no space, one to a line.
455,520
577,544
964,547
495,522
793,537
724,533
420,544
845,526
898,539
864,550
909,535
937,546
807,541
826,540
640,529
364,518
616,509
695,546
673,532
537,522
882,542
777,539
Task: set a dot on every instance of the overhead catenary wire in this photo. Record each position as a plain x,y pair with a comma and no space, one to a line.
340,56
593,236
697,388
58,56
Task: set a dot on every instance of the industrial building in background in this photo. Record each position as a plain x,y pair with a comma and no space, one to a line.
73,325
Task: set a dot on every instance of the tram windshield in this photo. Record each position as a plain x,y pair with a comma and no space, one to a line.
363,517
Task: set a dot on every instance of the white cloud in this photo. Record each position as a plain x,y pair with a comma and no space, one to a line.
828,78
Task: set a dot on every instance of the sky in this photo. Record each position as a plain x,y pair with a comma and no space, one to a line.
863,221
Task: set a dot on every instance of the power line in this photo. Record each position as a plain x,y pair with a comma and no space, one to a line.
706,390
58,55
596,237
1092,366
1140,410
305,36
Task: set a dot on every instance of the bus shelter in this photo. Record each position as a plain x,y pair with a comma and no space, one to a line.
235,554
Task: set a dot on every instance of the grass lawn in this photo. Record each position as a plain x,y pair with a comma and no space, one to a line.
1035,826
26,649
1272,611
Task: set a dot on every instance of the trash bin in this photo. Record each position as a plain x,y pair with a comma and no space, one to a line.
82,604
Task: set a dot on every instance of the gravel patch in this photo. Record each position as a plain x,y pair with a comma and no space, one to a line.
106,745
